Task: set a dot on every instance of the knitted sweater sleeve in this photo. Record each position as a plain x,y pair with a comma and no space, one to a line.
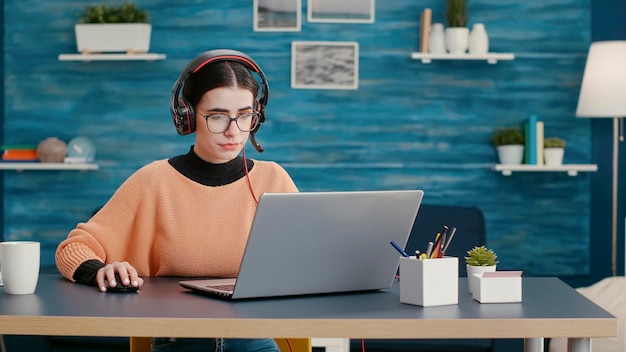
107,233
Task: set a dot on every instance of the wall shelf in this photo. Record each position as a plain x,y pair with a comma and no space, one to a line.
571,169
111,57
491,58
20,166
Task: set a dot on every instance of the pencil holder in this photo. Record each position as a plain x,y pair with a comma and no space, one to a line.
429,282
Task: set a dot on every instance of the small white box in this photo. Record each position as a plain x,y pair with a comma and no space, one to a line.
429,282
499,287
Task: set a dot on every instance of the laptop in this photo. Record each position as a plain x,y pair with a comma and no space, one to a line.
320,242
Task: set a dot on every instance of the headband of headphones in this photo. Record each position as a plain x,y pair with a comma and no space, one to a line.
183,114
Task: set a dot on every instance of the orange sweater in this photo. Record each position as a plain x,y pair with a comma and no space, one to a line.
163,223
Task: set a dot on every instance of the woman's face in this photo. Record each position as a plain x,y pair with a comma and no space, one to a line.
219,148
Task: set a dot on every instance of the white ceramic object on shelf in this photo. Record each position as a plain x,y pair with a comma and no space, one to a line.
113,37
437,41
478,40
457,39
472,281
512,154
553,156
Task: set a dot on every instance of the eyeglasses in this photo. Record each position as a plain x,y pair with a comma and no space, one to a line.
220,123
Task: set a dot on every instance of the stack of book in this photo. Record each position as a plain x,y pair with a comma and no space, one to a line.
19,153
533,150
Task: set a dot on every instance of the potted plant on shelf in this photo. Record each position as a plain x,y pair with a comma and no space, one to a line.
104,28
479,260
509,143
457,33
553,150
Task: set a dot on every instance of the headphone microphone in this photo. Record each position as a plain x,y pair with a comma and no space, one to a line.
183,114
259,148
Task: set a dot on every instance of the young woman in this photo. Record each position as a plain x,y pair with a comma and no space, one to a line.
188,215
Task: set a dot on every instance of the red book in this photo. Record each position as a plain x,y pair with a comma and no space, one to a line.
19,154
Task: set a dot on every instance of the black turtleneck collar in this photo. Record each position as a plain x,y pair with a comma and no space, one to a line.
191,166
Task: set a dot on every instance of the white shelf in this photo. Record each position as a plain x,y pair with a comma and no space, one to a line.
571,169
491,58
20,166
110,57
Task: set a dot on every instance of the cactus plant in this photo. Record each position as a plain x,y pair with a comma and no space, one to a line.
456,14
481,256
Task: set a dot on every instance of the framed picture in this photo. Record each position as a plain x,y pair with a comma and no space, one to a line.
324,65
277,15
344,11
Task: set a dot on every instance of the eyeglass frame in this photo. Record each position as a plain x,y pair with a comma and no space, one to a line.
255,116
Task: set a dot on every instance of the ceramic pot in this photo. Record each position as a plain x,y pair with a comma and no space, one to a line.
51,150
512,154
472,281
457,39
553,156
478,40
437,40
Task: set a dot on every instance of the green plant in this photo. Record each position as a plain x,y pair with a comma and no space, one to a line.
508,136
126,13
456,14
481,256
553,142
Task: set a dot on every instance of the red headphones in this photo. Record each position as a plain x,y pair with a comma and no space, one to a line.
183,114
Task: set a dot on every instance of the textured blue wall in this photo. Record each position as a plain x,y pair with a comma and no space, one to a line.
408,125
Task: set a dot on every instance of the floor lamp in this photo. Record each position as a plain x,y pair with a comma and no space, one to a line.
603,95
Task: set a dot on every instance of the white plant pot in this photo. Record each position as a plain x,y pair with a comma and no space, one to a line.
457,39
553,156
472,281
113,37
511,154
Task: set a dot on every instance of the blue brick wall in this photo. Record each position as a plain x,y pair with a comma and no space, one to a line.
408,126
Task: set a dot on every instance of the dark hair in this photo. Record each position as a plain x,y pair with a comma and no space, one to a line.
216,75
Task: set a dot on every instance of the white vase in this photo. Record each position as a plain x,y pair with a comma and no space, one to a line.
553,156
472,281
437,41
478,40
512,154
457,39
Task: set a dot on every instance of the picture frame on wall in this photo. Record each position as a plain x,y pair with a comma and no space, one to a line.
324,65
344,11
277,15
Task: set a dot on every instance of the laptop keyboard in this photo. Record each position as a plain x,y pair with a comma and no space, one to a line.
223,287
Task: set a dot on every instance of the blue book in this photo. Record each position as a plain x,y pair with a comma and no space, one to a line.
531,140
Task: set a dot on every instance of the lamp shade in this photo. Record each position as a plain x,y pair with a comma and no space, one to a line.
603,89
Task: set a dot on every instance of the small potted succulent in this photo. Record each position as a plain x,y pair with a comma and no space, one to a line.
105,28
553,150
457,33
479,260
509,143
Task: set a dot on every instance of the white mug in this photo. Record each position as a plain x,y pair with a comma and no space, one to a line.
19,261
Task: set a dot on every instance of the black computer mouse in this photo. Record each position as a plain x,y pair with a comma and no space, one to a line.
120,287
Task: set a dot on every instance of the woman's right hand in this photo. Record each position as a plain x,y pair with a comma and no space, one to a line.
105,277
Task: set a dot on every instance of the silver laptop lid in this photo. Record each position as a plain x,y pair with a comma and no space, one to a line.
324,242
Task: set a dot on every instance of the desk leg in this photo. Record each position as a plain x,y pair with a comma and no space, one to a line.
582,344
533,345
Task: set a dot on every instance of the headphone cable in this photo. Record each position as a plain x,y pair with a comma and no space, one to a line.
245,166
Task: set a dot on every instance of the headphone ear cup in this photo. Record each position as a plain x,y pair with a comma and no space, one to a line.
184,117
260,118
